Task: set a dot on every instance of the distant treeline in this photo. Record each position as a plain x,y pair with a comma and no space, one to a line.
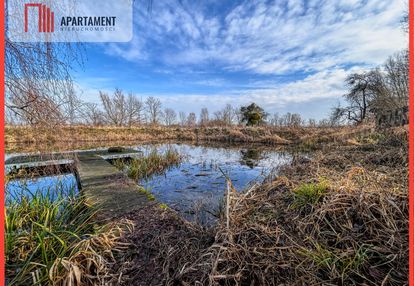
36,95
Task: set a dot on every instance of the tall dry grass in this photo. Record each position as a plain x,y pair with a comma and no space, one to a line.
338,218
52,239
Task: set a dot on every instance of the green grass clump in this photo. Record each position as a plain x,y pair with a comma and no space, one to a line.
310,193
153,163
163,206
149,195
42,228
336,260
51,238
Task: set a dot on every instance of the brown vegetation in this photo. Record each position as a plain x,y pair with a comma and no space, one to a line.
19,138
340,218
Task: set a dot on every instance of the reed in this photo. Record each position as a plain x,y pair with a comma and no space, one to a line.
154,163
51,238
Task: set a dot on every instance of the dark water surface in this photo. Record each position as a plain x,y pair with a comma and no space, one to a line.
196,187
52,186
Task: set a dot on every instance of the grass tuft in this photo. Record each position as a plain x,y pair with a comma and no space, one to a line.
52,239
309,194
152,164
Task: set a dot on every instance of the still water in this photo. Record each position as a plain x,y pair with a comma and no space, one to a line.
196,187
51,186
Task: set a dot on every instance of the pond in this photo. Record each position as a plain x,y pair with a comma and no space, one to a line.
48,186
196,187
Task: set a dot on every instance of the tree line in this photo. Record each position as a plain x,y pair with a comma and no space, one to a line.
370,95
126,109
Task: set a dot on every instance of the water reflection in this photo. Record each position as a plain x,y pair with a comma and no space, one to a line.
50,186
196,187
251,157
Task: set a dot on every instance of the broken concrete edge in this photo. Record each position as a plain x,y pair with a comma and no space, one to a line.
52,156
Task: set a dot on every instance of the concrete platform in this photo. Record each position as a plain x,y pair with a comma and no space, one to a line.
107,187
102,183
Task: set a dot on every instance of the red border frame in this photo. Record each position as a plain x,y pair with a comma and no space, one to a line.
411,143
2,122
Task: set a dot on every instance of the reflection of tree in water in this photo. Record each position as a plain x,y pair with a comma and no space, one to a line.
251,157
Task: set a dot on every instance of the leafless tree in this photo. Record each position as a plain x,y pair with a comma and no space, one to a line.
183,118
38,73
225,116
192,119
397,75
204,117
120,110
153,107
291,120
228,114
92,114
275,119
134,110
170,116
114,107
359,97
238,116
311,122
72,107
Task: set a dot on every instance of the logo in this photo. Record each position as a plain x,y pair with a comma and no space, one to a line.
46,18
69,20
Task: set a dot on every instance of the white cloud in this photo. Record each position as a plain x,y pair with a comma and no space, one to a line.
326,39
280,37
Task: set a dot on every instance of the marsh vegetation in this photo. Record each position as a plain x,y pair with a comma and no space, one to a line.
52,238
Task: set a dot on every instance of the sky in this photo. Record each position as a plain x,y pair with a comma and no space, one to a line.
285,55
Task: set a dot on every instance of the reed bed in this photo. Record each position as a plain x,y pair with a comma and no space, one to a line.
153,163
52,239
29,139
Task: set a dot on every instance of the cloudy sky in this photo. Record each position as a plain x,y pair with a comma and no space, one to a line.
286,55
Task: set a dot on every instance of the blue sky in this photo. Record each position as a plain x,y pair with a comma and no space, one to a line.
286,55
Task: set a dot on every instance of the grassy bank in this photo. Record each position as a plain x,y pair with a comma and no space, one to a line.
28,139
51,239
339,218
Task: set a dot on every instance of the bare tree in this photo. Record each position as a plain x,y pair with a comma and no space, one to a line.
38,73
120,110
311,122
397,75
192,119
275,119
238,116
42,110
358,98
183,118
92,114
134,109
204,117
170,116
153,107
228,114
71,109
114,108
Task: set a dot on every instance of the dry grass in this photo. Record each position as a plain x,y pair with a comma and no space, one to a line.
52,239
20,138
340,218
